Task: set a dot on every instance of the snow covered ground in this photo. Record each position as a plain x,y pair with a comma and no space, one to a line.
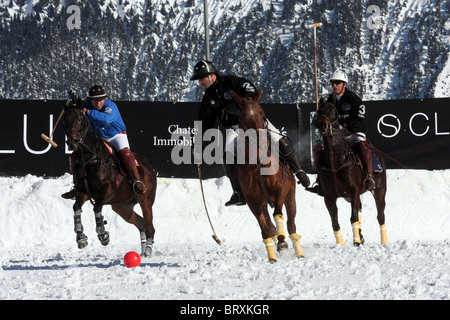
40,260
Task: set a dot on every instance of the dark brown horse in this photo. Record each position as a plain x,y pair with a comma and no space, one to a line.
341,175
266,181
98,177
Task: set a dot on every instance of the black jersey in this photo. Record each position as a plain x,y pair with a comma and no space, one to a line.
352,112
218,102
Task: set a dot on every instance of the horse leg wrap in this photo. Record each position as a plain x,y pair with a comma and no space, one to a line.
384,238
279,219
356,233
143,242
77,221
102,234
338,236
81,238
296,244
148,248
99,222
270,250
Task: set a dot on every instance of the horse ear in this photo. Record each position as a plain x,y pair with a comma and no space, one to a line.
79,103
71,104
74,101
321,101
258,95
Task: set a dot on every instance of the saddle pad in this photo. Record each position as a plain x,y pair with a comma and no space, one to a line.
111,152
376,165
109,148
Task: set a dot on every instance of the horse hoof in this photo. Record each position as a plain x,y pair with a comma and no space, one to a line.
360,242
82,240
104,238
82,245
282,246
146,254
357,244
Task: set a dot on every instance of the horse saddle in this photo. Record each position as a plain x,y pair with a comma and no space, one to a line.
115,158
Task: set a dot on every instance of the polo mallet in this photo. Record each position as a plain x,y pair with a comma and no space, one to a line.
214,236
71,100
49,139
316,25
313,132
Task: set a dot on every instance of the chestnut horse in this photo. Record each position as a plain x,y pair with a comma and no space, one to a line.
98,177
341,175
266,181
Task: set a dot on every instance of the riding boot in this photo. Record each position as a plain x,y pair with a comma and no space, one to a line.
237,198
365,154
128,162
70,194
289,154
318,156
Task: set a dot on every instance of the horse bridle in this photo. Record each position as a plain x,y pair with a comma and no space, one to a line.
328,130
239,113
79,140
245,122
80,136
259,164
327,133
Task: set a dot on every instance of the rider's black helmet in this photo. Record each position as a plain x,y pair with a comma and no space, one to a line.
203,69
96,92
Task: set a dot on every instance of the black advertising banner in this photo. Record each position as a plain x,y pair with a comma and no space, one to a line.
159,130
154,130
414,133
22,150
411,133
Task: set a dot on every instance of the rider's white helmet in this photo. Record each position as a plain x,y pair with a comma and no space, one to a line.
339,75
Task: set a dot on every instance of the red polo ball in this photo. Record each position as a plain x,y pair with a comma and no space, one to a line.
132,259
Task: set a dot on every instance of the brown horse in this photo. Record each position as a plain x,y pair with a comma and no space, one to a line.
98,177
341,175
276,186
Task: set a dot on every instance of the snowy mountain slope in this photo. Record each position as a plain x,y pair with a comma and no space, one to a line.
145,50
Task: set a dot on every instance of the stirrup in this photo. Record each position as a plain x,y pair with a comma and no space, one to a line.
139,187
315,188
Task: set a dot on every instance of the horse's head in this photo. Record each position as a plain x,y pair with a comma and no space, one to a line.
327,117
75,124
251,113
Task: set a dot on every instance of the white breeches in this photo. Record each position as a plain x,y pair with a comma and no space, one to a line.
232,134
119,141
